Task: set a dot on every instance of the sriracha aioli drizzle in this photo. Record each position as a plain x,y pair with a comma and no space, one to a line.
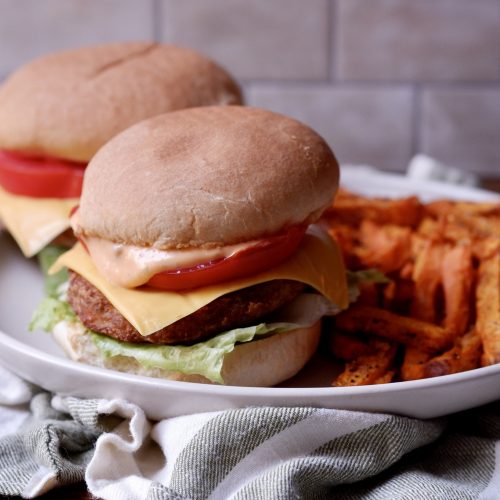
130,266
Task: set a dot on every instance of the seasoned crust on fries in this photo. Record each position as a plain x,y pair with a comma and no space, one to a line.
386,248
352,209
457,277
442,304
408,331
488,308
348,347
464,355
427,278
414,363
370,368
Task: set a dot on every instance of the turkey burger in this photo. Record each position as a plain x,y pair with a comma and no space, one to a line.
198,257
58,110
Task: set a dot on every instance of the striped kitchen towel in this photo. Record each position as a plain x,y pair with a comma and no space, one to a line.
261,453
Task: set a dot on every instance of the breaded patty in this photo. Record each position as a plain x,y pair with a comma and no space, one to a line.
240,308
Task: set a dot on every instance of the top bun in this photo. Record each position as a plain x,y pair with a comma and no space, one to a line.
207,176
69,104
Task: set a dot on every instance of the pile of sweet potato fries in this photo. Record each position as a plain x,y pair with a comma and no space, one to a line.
439,312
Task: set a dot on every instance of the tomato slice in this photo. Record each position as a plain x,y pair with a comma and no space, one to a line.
40,177
263,255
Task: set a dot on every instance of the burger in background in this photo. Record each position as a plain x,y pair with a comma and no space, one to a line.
199,258
58,110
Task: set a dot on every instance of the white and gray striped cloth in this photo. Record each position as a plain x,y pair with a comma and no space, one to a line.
251,453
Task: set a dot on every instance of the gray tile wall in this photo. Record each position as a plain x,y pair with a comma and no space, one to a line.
380,79
29,28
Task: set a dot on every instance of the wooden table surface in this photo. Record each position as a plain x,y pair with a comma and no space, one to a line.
79,491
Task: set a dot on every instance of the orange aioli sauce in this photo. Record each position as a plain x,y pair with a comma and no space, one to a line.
130,266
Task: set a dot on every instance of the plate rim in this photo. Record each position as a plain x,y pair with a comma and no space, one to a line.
413,184
227,390
77,368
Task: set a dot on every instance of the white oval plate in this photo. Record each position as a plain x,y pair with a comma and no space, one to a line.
37,358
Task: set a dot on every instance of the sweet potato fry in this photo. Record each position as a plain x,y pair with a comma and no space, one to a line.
455,233
491,209
430,228
457,276
369,369
446,207
418,244
368,295
459,227
386,248
398,295
386,378
414,363
464,355
443,260
346,237
427,278
406,272
409,331
486,248
478,226
488,308
348,347
352,210
344,195
437,208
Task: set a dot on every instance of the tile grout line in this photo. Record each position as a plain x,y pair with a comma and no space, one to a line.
332,43
157,12
376,84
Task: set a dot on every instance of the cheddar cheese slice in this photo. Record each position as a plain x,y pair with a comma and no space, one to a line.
317,263
34,222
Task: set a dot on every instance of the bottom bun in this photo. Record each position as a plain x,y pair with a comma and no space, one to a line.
260,363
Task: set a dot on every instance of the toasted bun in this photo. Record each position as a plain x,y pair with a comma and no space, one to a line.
260,363
207,176
69,104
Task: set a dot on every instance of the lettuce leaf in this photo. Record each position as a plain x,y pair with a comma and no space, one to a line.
356,278
203,358
49,312
46,257
206,357
367,276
